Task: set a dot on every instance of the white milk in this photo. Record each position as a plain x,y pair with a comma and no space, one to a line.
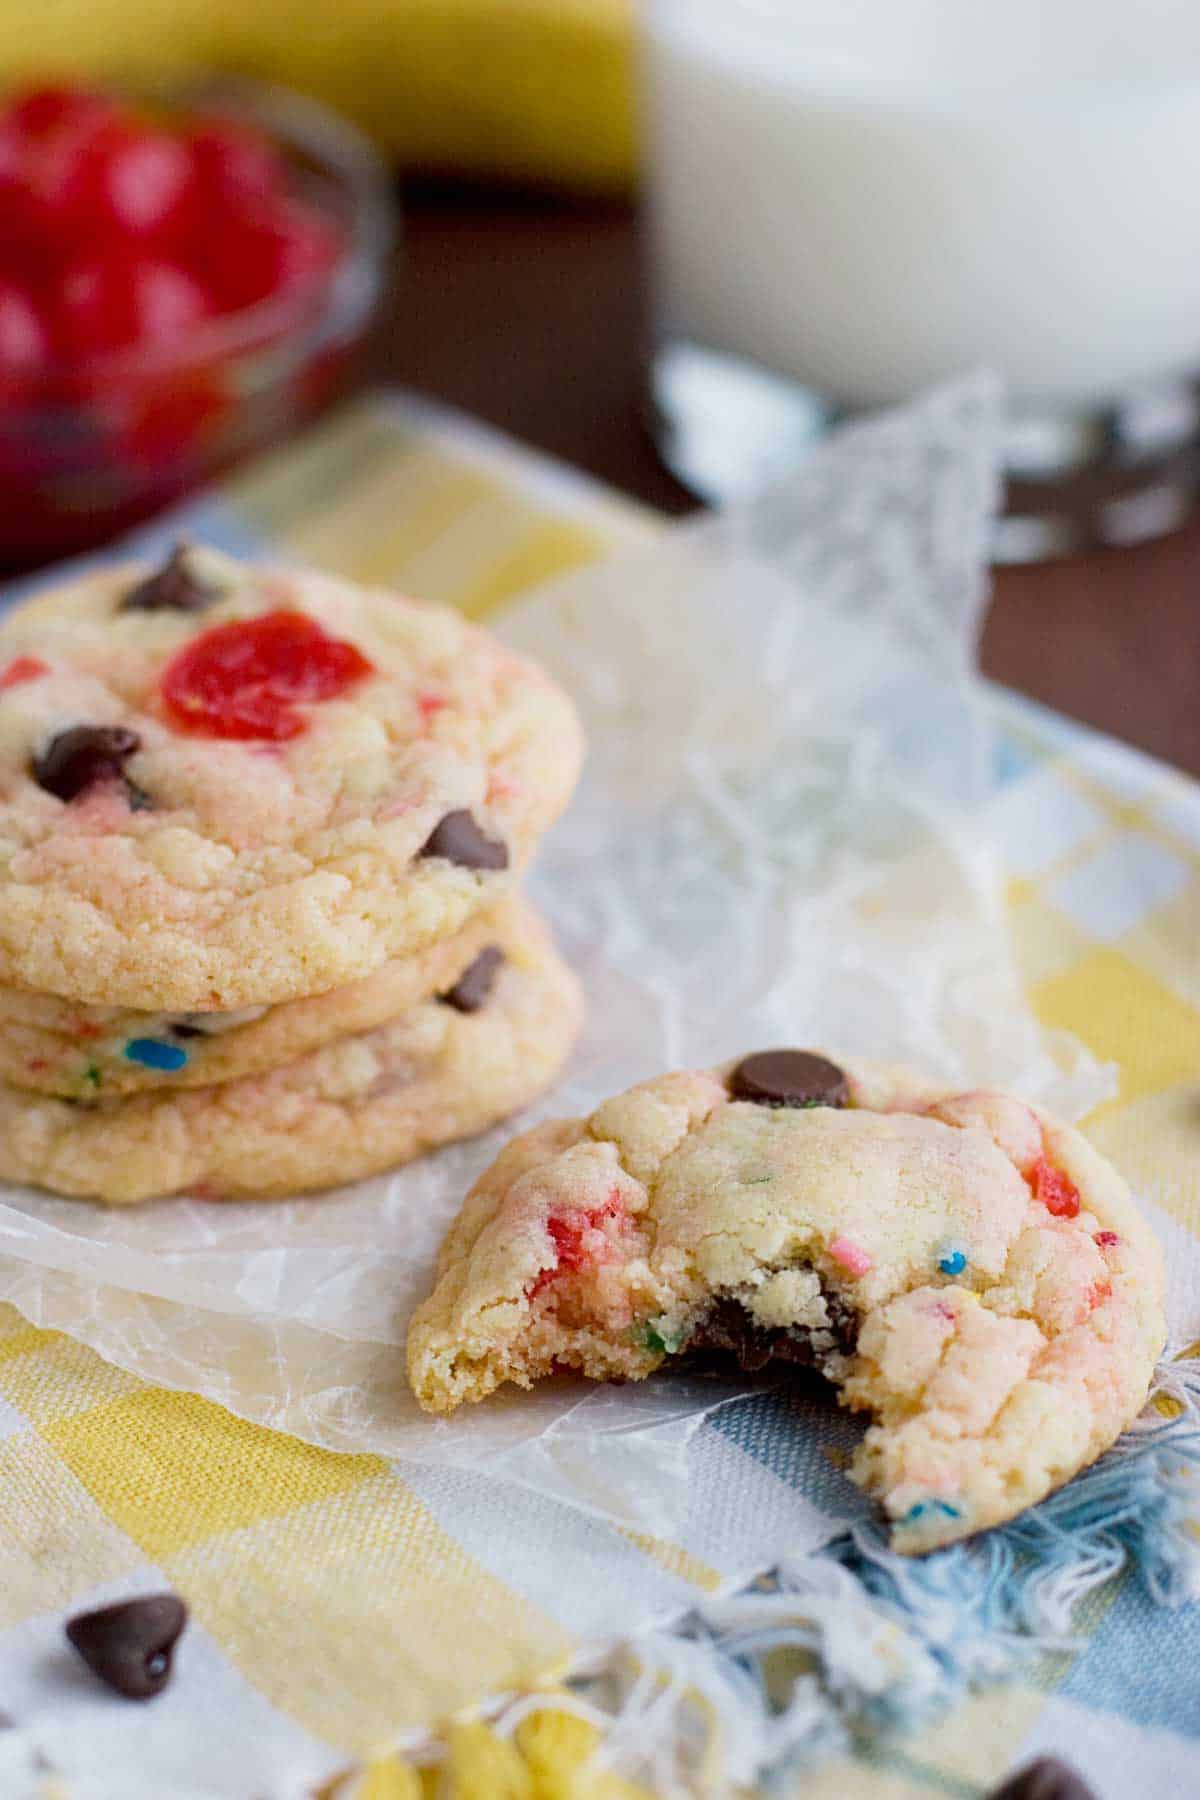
869,195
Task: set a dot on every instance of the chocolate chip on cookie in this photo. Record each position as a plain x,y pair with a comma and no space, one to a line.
175,587
789,1078
473,987
1045,1779
460,840
76,759
129,1646
729,1328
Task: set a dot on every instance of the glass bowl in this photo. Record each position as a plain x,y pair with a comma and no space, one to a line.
88,450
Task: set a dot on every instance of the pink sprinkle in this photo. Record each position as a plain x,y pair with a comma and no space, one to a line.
1107,1240
851,1257
500,789
429,704
941,1310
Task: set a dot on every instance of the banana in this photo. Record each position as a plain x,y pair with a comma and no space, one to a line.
529,89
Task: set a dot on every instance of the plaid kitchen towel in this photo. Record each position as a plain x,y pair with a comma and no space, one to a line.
342,1606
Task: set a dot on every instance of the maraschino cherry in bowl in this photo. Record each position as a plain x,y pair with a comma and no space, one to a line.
184,279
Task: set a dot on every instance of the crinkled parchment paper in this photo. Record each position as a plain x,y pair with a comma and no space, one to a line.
781,838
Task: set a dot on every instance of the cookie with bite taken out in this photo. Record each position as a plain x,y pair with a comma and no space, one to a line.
966,1270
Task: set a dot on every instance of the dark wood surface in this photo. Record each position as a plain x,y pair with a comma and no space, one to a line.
530,313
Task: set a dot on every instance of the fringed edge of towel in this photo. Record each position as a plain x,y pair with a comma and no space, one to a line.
847,1646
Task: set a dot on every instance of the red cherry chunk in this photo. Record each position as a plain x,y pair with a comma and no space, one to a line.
105,304
1056,1191
277,249
573,1232
24,343
249,679
38,111
141,180
22,668
96,180
234,168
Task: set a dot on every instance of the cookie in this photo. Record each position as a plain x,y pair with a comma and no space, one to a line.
962,1267
224,787
361,1104
55,1046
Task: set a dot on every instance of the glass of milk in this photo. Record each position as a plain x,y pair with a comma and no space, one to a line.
852,199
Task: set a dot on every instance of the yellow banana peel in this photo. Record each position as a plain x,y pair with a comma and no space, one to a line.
537,89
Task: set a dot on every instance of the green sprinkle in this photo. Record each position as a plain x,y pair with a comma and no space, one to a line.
756,1180
92,1075
649,1337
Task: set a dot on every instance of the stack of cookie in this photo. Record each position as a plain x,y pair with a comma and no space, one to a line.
260,841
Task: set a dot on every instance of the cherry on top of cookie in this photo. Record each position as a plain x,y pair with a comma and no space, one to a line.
256,677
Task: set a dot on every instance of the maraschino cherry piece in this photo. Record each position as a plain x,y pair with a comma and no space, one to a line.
251,677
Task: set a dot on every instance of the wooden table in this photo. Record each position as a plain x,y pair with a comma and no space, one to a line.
530,313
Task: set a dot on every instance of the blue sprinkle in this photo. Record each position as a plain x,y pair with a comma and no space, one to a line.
953,1263
154,1055
914,1512
951,1512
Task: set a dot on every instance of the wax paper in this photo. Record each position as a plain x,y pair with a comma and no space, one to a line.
781,837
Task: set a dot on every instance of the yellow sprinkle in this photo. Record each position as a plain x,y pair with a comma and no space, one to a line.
482,1766
389,1780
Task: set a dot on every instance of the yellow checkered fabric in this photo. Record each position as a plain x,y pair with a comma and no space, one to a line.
340,1603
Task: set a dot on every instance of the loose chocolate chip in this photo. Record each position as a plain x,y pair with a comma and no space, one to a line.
129,1645
789,1078
1045,1779
77,759
470,992
175,588
459,839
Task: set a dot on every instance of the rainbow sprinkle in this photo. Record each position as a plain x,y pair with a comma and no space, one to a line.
852,1257
923,1506
153,1054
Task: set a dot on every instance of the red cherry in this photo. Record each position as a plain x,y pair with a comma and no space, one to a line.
280,249
24,343
142,180
103,305
93,181
16,202
39,111
169,419
1056,1191
22,669
235,168
247,679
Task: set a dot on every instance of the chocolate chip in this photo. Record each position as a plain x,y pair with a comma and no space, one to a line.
129,1645
175,588
77,759
789,1078
183,1030
460,840
1045,1779
473,987
729,1329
